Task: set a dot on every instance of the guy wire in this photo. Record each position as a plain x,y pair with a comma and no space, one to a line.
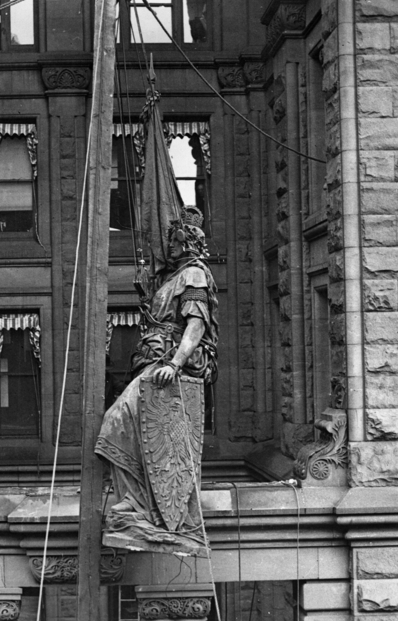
285,146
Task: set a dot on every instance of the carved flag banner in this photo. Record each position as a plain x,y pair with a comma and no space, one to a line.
172,426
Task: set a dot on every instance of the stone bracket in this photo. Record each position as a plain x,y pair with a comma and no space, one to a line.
188,601
10,603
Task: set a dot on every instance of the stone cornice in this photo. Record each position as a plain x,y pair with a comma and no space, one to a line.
283,19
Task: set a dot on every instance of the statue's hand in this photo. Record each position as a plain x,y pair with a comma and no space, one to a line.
164,376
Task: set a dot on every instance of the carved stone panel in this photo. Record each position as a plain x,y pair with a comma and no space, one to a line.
174,608
62,569
9,610
231,76
377,596
254,73
66,78
319,460
283,18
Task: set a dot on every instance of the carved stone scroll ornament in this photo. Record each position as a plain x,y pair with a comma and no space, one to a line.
61,569
318,458
9,610
288,17
174,608
65,78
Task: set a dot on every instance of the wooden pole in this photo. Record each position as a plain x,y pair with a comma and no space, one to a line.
100,147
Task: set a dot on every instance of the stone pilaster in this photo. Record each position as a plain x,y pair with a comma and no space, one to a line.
375,583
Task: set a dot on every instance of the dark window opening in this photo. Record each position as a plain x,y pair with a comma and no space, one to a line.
19,386
125,184
16,186
18,26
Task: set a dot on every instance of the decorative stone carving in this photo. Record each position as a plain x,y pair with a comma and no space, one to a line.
231,76
318,459
283,18
66,78
174,608
373,463
378,596
60,569
279,111
9,610
254,72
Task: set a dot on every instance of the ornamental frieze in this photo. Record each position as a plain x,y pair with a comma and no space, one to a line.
61,569
9,610
66,78
174,608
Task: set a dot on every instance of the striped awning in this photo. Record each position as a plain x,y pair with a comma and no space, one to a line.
17,129
123,318
132,128
188,128
19,321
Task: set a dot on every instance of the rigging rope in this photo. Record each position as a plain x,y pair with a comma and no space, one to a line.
68,338
215,91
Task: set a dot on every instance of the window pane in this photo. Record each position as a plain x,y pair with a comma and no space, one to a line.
187,189
151,31
14,159
195,22
15,221
16,196
182,159
121,210
19,386
21,18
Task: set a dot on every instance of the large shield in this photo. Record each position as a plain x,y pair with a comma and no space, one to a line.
172,425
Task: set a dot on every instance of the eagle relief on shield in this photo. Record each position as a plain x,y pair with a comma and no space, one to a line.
172,427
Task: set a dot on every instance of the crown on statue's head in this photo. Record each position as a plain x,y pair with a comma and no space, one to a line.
191,215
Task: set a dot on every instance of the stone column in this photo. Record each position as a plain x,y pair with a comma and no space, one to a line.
10,604
180,602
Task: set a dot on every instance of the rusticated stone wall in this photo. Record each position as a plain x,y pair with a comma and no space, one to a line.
377,72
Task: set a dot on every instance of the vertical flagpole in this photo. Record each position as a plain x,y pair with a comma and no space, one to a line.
96,284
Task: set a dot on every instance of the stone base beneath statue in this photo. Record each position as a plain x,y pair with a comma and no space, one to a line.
132,532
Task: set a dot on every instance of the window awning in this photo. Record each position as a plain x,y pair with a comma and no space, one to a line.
23,321
121,318
17,129
187,128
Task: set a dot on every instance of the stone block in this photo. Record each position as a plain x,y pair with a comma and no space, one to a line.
241,428
287,383
282,210
381,358
377,70
377,563
243,207
242,166
243,229
333,173
333,142
377,166
373,36
245,314
380,295
336,266
245,336
373,464
286,307
330,49
283,232
325,595
284,257
337,329
335,235
336,296
379,8
381,327
379,230
246,358
329,17
394,37
379,198
247,400
338,362
375,101
381,390
242,185
67,148
381,260
378,133
332,111
382,424
284,283
287,408
246,377
377,596
285,331
330,80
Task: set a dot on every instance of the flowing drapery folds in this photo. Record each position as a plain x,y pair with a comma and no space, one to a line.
161,199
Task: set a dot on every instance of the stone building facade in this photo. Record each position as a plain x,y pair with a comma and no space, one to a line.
303,250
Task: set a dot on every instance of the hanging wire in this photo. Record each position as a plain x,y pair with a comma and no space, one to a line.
70,321
6,6
235,110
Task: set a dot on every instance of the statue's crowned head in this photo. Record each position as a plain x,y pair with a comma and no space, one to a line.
188,231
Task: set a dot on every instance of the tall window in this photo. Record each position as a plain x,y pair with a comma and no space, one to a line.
19,375
320,309
186,20
126,175
18,170
18,26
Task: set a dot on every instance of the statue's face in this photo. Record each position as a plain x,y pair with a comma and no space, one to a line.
176,248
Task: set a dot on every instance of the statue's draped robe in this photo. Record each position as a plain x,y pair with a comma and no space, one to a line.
120,440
